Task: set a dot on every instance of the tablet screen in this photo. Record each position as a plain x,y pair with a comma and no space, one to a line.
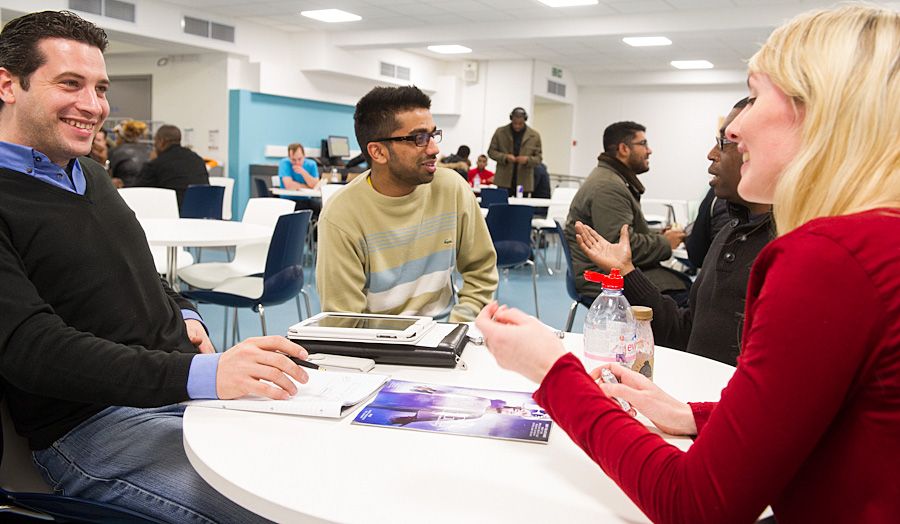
354,322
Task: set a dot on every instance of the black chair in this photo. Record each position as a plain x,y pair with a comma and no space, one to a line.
203,201
493,195
282,280
34,506
510,229
262,190
584,300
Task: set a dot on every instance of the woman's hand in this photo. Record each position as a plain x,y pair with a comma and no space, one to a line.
667,413
602,253
519,342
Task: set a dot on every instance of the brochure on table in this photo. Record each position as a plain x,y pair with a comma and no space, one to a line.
327,394
511,415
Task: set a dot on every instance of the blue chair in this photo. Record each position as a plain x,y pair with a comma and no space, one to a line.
262,190
584,300
43,506
510,228
203,201
281,281
493,195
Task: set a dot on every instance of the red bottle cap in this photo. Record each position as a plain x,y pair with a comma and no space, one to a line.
613,281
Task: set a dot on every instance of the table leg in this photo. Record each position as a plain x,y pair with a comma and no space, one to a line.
172,267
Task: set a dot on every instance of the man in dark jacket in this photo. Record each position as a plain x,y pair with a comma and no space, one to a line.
611,197
174,167
517,149
711,324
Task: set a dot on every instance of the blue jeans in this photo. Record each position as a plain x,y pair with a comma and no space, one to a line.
134,458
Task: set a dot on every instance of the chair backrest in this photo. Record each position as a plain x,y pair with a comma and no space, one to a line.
203,201
493,195
329,190
228,184
510,229
570,273
265,211
283,278
151,202
259,185
563,194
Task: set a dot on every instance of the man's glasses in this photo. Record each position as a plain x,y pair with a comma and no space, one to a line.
420,139
641,143
722,142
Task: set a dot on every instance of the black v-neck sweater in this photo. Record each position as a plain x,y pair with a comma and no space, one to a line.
85,320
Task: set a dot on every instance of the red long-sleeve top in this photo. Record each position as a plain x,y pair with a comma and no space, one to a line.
810,421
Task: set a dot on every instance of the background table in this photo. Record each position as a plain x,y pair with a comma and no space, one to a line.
191,232
302,469
280,191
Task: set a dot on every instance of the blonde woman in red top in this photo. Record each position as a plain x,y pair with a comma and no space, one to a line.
810,421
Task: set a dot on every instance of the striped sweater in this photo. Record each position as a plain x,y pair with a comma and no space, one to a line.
396,255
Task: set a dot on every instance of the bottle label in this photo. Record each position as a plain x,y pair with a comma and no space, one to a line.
616,343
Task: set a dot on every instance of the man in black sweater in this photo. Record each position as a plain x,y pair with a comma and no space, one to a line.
711,324
172,166
95,349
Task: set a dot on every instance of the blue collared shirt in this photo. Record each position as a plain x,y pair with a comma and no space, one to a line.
202,373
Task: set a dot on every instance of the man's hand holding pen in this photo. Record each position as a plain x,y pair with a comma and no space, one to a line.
243,368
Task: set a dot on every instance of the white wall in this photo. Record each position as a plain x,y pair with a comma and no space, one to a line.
554,122
681,122
190,92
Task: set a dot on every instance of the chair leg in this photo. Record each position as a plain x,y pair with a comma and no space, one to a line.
571,320
309,312
537,313
536,248
299,312
262,319
236,329
225,331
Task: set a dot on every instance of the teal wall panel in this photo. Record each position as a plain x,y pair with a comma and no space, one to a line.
256,120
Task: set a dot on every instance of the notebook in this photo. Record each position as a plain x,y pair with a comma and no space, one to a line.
330,394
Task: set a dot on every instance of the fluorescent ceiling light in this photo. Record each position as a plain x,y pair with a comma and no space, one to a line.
691,64
449,49
331,16
567,3
646,41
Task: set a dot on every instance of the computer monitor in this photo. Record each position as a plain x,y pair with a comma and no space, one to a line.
338,147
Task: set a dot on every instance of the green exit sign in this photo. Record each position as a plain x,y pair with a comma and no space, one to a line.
556,72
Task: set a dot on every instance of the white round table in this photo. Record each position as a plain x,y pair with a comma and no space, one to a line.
305,469
193,232
314,193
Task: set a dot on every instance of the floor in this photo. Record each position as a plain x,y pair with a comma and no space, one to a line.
515,290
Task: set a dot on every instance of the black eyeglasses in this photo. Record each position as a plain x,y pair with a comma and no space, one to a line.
722,142
420,139
641,143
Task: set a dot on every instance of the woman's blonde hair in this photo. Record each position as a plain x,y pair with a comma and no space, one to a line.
130,130
842,66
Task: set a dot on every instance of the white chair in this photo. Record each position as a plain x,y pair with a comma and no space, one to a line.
328,191
560,201
228,184
155,202
249,259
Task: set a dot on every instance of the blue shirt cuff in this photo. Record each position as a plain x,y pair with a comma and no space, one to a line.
201,382
189,314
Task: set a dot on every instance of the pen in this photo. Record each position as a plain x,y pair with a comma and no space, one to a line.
303,363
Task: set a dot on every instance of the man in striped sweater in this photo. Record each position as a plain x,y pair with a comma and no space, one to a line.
390,241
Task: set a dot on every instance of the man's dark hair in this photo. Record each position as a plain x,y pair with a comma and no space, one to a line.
376,112
618,133
463,152
742,103
167,136
19,52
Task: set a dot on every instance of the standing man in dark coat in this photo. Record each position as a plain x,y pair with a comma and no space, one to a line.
517,149
172,166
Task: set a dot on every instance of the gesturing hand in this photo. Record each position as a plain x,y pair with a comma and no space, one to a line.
198,336
602,253
519,342
667,413
243,368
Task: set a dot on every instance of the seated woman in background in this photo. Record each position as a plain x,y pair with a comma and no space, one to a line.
129,155
809,423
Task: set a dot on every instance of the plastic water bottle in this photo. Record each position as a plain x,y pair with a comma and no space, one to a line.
335,177
644,345
609,328
520,190
476,182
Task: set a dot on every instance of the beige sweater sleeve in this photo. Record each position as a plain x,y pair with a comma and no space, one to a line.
340,270
476,261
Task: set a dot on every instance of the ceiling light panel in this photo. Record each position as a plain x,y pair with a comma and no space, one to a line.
567,3
691,64
332,16
449,49
646,41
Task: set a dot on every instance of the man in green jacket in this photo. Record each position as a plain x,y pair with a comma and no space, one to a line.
610,198
517,149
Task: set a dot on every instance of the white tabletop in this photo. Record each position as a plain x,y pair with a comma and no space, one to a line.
195,232
296,469
280,191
